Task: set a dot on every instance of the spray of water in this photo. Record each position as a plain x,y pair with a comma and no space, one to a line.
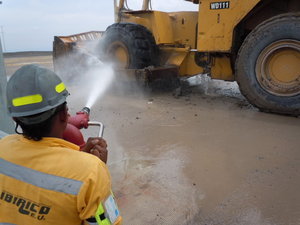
101,77
91,78
84,71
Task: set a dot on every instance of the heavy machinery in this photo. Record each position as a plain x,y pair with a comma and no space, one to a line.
253,42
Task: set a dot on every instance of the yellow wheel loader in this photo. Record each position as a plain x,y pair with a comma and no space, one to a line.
253,42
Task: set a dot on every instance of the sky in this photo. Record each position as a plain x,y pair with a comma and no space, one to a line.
30,25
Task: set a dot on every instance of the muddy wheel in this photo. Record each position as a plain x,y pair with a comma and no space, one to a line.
268,65
130,46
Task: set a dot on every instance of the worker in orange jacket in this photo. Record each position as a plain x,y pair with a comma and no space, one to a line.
43,178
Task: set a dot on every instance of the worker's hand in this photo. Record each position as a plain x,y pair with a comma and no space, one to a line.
96,146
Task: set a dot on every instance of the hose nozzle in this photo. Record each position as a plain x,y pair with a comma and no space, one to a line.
86,110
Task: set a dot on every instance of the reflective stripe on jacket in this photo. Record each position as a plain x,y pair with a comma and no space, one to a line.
49,182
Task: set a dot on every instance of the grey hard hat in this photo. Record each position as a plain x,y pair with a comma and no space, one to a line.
32,90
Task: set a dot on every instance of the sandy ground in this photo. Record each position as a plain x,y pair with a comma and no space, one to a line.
207,157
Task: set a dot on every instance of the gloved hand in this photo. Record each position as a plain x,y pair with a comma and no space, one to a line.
96,146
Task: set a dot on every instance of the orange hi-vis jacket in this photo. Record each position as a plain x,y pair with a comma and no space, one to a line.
49,182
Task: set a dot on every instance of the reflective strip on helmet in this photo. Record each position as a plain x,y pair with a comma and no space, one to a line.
27,100
100,216
60,87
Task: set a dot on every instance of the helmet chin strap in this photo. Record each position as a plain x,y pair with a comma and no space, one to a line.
16,128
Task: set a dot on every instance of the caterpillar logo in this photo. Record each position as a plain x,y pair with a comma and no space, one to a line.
25,206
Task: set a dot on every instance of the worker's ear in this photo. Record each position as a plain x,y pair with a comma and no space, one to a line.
63,114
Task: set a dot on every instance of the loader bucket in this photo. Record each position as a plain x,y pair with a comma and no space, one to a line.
65,46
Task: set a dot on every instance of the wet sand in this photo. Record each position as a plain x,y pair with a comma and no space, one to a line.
207,157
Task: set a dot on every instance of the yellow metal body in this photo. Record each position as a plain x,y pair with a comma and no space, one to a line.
185,38
221,69
181,34
218,39
176,28
174,33
216,23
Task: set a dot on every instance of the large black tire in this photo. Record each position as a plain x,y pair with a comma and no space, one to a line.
268,65
130,46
